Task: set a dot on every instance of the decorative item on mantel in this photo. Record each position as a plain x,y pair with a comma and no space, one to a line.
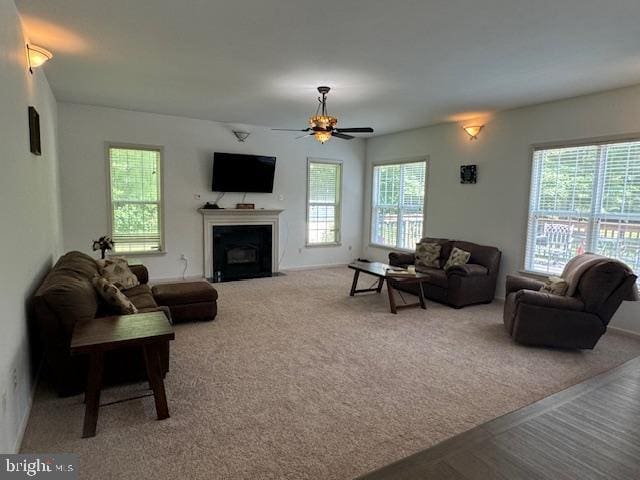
103,244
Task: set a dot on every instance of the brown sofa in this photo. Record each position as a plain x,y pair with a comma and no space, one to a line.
578,321
67,296
461,285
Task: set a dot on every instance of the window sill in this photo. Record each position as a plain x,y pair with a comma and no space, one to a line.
158,253
322,245
390,248
537,275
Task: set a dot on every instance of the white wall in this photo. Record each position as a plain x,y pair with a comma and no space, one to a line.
494,211
189,145
29,214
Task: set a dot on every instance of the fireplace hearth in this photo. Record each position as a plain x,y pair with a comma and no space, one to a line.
241,252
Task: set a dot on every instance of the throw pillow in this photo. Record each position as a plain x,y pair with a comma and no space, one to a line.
428,254
117,271
555,286
457,257
113,296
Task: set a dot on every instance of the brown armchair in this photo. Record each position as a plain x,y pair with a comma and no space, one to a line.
578,321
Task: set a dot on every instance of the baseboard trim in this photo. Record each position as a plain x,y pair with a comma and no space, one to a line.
195,278
313,267
189,278
625,332
25,419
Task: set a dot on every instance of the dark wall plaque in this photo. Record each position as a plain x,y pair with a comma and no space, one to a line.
34,131
468,173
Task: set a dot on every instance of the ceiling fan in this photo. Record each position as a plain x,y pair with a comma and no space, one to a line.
322,126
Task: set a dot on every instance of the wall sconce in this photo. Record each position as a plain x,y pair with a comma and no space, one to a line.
37,56
473,131
241,136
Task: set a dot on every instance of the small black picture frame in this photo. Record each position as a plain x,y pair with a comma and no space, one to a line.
468,173
34,131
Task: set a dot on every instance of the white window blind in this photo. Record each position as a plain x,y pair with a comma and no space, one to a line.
323,202
398,204
136,199
584,199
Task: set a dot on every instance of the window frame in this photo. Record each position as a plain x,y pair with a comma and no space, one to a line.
161,219
337,205
397,161
576,143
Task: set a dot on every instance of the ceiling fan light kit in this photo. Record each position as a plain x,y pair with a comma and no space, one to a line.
323,126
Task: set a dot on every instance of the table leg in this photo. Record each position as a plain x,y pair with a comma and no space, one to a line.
423,305
392,299
354,284
380,283
152,360
92,395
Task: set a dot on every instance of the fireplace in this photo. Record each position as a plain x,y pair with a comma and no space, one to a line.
244,255
241,251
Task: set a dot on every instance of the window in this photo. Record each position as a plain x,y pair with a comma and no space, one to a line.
324,179
135,199
398,204
584,199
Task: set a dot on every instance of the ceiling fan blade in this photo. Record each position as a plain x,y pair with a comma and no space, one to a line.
303,136
341,135
357,130
291,129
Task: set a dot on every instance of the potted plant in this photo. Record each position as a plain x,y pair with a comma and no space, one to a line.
103,244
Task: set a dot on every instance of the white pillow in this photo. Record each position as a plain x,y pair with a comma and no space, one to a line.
116,270
555,286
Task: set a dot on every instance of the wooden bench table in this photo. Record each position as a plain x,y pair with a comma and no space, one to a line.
149,331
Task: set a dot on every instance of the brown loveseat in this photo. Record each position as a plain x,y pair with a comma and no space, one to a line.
67,296
574,321
461,285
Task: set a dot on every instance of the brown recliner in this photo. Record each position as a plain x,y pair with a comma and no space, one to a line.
578,321
461,285
67,296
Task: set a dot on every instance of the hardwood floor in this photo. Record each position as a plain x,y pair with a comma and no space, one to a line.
588,431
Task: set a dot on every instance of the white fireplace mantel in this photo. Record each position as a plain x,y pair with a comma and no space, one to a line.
231,216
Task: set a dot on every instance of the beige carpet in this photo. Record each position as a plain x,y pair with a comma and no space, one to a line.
297,380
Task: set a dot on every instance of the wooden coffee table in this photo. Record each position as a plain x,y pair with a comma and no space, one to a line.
380,270
149,331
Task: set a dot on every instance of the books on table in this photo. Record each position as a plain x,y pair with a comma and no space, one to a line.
400,272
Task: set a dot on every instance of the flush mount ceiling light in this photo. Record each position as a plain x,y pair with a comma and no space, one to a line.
473,131
37,56
241,136
322,126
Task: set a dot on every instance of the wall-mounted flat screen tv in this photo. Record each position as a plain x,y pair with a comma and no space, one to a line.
234,172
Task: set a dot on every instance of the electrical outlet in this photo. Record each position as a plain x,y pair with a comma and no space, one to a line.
299,250
197,196
281,197
15,378
350,247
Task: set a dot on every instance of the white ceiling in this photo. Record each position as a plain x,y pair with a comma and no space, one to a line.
393,65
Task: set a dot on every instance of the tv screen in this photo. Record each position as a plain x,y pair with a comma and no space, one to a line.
233,172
